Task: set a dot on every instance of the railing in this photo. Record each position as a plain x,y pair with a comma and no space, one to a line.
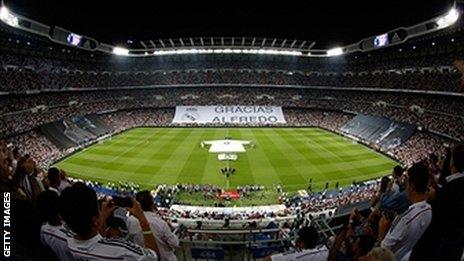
251,244
243,244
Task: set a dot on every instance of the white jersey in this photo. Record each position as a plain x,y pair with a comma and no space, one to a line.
63,184
165,239
320,253
99,248
56,238
407,229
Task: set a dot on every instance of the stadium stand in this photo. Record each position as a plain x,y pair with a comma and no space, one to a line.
384,133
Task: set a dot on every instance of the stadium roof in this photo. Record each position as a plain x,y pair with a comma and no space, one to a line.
329,23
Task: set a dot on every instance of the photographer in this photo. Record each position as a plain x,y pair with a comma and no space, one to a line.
79,208
308,247
165,239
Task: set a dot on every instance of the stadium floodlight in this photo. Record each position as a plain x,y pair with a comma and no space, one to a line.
7,17
450,18
228,51
120,51
335,51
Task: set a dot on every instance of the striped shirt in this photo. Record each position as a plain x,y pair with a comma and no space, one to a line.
56,238
320,253
166,240
99,248
407,228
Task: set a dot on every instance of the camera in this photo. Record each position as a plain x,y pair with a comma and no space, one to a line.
123,202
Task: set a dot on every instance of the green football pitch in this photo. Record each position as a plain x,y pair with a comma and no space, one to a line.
286,156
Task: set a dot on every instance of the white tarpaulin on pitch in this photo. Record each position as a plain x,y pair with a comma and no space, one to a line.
226,146
234,114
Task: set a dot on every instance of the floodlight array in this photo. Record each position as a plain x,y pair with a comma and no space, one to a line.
120,51
446,20
7,17
227,51
335,51
449,19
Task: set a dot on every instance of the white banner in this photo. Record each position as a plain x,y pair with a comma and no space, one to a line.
234,114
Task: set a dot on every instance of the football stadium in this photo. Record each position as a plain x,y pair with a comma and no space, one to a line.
331,131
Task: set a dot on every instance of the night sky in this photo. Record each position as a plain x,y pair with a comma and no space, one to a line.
329,23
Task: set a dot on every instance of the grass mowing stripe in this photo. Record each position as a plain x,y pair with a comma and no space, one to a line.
337,161
279,159
76,159
316,169
150,162
193,169
244,172
287,156
257,157
179,155
211,171
116,160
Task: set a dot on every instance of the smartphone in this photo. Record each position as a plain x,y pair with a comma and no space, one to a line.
123,202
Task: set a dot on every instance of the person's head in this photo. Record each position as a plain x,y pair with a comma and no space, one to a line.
29,165
363,245
445,167
397,171
78,207
53,176
308,237
457,159
47,207
418,180
379,254
384,184
146,200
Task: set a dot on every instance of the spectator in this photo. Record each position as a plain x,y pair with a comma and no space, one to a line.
377,199
54,180
79,208
64,182
397,182
396,199
52,232
167,242
308,239
26,178
444,240
445,168
408,227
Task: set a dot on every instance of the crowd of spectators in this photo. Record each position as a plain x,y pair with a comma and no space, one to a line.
26,80
420,146
36,145
123,120
411,214
331,198
436,113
